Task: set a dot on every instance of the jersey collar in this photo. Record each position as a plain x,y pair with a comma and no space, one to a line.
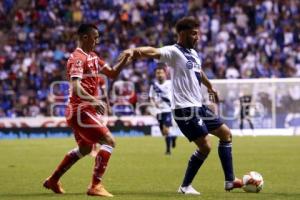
79,49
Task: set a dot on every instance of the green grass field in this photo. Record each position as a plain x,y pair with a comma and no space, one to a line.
139,170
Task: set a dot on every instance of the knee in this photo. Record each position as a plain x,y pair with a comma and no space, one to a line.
204,145
110,141
206,148
84,150
226,135
165,132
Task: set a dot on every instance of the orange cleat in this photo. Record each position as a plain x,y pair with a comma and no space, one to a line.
230,185
98,190
55,186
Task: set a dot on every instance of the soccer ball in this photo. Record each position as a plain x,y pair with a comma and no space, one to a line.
253,182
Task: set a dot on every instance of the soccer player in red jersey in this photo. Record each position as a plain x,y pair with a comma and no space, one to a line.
84,111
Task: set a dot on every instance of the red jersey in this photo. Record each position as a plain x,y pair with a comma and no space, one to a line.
86,67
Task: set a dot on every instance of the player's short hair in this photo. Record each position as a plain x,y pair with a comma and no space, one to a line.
186,23
160,68
85,29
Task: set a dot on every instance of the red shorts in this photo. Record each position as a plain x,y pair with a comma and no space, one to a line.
88,127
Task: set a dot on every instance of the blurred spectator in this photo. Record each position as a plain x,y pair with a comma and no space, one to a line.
33,108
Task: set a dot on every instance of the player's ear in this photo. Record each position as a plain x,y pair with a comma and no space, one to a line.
182,34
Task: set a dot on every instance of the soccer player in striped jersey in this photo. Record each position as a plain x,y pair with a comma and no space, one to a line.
160,96
84,111
194,119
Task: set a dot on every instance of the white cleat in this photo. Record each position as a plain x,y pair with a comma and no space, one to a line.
188,190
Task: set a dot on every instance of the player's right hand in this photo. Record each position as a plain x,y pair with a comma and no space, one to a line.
100,107
126,57
127,54
213,95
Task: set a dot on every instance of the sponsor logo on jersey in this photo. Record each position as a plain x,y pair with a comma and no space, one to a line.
78,63
192,65
200,122
189,64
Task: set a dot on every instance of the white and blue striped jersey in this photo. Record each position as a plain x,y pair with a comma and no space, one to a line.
161,93
185,75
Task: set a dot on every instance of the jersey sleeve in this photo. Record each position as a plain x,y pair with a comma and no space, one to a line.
166,54
76,67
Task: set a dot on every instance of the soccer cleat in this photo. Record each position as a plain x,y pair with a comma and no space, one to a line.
98,190
188,190
230,185
55,186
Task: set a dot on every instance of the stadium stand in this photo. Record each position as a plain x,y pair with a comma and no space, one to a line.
240,39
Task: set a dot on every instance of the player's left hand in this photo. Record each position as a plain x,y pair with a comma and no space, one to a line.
213,95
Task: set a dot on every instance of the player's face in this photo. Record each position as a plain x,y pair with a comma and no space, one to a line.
192,37
160,75
92,39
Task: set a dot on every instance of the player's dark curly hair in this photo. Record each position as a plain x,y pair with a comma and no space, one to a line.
85,29
160,67
186,23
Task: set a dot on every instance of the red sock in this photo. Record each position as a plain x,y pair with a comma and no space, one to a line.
70,158
101,161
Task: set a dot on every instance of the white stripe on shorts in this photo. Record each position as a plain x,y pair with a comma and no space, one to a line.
95,119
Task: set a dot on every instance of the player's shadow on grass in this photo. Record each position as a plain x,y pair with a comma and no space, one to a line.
269,194
118,194
33,195
281,194
152,194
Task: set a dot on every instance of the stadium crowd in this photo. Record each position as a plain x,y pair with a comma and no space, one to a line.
239,39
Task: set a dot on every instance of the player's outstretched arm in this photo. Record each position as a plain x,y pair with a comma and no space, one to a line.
141,52
113,72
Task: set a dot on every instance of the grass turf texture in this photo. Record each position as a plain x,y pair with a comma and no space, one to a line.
139,170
